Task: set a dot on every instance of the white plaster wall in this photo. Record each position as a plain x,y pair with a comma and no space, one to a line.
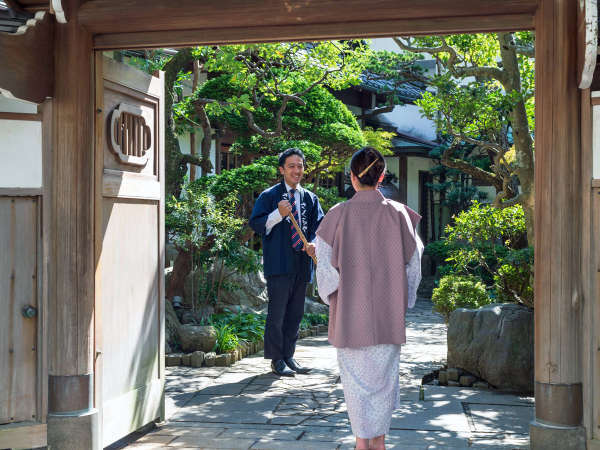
408,119
184,145
413,165
20,154
393,166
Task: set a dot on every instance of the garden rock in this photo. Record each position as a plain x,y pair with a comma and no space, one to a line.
453,374
494,343
467,380
250,295
209,359
195,337
186,359
172,327
173,359
197,359
223,360
443,378
312,307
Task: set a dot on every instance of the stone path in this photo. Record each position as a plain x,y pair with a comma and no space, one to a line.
244,406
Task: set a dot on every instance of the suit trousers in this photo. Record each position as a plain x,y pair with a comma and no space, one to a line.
285,311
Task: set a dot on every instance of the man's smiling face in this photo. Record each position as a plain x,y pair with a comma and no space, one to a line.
292,170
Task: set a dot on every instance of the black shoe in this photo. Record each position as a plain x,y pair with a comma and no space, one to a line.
292,364
279,368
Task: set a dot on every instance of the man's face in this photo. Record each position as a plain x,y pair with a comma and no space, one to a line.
292,170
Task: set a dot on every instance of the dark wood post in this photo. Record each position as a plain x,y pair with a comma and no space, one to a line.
72,419
558,224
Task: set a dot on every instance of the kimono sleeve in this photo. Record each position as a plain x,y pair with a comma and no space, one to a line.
410,220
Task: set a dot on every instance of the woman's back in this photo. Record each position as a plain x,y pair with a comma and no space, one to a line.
372,240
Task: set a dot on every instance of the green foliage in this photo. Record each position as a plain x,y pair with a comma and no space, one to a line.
380,140
513,280
459,291
246,326
209,229
328,197
254,79
311,319
227,341
236,327
487,243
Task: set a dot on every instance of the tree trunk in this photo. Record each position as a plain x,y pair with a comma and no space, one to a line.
181,268
174,166
521,133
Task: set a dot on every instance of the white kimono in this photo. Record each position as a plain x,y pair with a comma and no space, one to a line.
369,374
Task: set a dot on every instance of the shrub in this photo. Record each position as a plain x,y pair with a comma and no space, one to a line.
458,291
488,243
227,341
246,326
311,319
513,280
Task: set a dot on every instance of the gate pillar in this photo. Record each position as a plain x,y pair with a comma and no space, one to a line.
558,224
72,418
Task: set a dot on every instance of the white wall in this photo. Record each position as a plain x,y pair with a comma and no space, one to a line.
413,165
20,154
408,119
184,146
393,166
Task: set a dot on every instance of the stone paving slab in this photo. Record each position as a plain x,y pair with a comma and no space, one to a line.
245,406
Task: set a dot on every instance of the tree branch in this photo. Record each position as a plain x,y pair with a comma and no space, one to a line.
525,50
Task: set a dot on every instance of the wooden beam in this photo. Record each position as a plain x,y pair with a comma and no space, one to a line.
314,32
20,116
28,62
117,16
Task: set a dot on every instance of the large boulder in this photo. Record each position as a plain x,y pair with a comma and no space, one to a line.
312,307
197,338
495,343
250,293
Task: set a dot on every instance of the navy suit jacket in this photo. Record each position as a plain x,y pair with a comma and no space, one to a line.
277,245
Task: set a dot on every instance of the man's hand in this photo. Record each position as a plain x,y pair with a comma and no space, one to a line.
311,249
285,209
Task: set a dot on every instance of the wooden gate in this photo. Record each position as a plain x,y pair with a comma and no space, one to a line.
129,240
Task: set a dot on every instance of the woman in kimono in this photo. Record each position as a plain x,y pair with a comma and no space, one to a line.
368,271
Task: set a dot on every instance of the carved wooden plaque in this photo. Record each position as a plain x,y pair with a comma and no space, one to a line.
130,136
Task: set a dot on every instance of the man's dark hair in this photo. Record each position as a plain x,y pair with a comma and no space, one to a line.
289,152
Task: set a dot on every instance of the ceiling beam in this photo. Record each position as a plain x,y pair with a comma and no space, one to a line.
414,27
133,16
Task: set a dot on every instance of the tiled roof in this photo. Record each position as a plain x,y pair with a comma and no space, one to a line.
11,21
408,91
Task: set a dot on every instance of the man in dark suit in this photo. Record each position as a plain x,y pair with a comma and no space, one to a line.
287,263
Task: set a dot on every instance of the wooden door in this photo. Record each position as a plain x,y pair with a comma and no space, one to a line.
19,294
129,238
